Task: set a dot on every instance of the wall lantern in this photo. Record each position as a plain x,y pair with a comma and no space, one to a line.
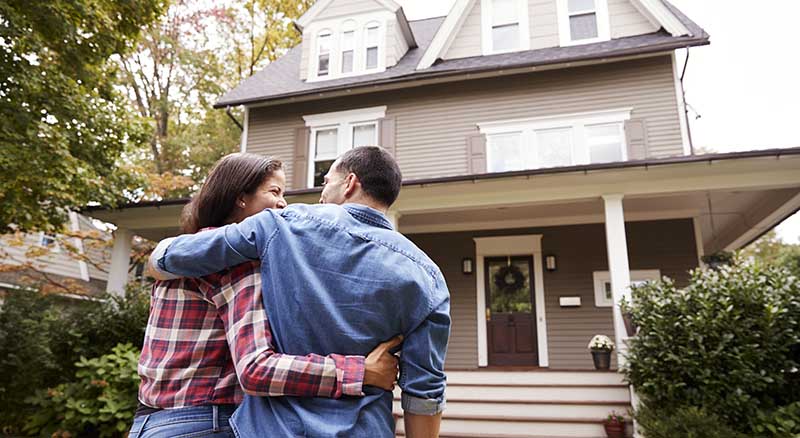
466,265
550,263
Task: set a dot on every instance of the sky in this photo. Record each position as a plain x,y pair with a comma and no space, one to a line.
745,86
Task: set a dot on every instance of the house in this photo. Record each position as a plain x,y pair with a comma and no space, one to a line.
74,265
547,166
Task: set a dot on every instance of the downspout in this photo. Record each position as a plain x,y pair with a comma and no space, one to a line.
686,105
241,128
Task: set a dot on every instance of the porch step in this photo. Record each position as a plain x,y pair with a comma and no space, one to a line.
530,411
538,393
568,378
495,426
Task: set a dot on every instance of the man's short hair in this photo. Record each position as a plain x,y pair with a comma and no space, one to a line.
376,169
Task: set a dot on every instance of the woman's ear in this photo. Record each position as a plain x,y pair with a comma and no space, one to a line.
241,202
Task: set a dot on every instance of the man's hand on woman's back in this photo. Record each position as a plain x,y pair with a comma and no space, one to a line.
381,366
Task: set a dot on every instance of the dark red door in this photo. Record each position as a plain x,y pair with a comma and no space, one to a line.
510,313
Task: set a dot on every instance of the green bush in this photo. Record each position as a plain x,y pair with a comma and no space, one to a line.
726,344
101,401
43,337
687,422
783,422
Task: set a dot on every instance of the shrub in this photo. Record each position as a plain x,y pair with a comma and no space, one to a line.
686,422
101,401
724,344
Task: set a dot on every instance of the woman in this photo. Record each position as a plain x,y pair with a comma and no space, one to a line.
208,339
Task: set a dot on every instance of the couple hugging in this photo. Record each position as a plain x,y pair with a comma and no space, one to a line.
270,320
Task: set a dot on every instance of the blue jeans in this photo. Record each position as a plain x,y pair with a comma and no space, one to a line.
194,422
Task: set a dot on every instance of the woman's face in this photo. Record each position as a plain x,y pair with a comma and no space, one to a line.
268,195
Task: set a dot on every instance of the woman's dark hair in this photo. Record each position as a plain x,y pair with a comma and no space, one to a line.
233,176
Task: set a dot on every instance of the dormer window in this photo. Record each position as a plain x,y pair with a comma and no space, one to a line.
372,44
583,21
505,26
348,48
324,53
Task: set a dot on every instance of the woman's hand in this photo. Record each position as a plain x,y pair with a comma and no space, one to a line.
381,366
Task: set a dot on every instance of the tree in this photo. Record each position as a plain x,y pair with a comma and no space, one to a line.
772,250
63,129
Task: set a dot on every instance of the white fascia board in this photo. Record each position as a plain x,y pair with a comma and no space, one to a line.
446,33
594,117
335,118
660,15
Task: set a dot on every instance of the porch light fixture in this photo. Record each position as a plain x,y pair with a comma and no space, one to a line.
550,263
466,265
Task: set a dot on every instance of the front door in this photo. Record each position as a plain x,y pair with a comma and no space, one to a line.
510,312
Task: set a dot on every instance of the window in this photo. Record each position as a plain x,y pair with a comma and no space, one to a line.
324,53
49,241
371,45
556,141
332,134
348,51
505,26
583,21
602,284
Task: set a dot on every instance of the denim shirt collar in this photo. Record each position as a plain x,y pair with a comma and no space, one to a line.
368,215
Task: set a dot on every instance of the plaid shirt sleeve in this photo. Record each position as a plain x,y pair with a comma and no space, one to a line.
261,370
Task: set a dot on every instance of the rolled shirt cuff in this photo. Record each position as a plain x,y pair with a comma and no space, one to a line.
158,259
422,406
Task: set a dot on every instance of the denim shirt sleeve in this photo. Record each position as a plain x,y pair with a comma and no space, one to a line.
423,380
206,252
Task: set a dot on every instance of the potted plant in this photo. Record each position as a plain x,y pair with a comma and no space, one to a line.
601,347
614,425
627,317
718,259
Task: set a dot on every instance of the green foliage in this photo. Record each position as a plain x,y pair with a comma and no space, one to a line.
688,422
63,126
784,422
42,337
772,250
101,401
726,344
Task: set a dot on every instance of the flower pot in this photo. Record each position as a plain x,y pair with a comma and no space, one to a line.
602,359
615,430
630,327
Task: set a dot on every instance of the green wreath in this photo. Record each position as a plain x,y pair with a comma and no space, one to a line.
509,278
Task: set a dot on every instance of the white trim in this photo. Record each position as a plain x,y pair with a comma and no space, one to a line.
75,225
530,244
349,116
698,239
557,120
487,23
447,32
658,14
600,279
321,5
618,266
601,16
120,262
245,129
687,148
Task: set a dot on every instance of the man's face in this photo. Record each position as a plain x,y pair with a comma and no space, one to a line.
333,189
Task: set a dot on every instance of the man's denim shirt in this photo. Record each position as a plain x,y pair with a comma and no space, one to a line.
336,279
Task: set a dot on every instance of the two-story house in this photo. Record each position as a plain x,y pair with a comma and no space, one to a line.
547,166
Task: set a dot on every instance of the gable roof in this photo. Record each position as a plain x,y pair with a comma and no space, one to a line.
321,5
280,81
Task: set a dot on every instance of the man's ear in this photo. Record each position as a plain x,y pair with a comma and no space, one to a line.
352,185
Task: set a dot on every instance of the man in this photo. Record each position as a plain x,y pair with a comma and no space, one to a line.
337,278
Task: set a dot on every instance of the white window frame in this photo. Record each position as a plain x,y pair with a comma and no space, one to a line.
344,121
54,247
577,122
317,52
337,27
601,278
603,23
487,41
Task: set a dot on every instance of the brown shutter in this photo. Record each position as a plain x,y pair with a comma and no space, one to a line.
388,135
636,138
300,164
476,153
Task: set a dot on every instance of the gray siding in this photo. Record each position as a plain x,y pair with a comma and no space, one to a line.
665,245
434,122
624,19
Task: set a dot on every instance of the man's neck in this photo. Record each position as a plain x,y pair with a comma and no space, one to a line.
367,203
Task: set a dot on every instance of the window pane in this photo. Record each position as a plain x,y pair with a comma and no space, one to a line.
506,152
505,37
504,12
554,147
320,170
605,143
581,5
372,36
510,286
324,49
324,64
348,40
372,58
583,27
347,61
327,141
364,135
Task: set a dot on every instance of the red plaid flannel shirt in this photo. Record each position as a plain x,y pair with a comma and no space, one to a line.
208,339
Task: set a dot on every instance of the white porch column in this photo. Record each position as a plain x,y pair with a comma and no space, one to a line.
120,261
618,267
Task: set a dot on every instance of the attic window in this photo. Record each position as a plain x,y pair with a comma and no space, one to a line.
372,43
505,26
348,50
583,21
324,53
